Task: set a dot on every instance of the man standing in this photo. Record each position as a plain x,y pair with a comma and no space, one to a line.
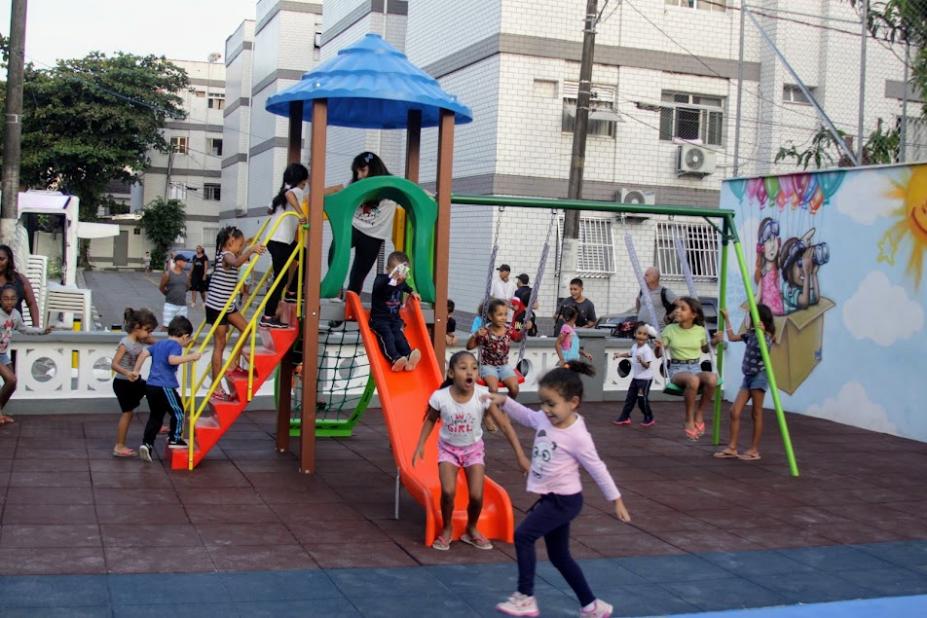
502,286
523,294
663,299
584,307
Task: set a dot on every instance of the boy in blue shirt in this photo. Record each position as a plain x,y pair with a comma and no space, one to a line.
161,388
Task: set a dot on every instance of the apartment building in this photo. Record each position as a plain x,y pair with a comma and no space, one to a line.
662,128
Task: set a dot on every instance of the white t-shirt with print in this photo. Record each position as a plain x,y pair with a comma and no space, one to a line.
460,422
638,371
286,231
375,221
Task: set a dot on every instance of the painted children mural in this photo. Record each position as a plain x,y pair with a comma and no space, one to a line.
844,251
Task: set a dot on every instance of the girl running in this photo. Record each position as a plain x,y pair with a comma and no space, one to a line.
561,445
128,386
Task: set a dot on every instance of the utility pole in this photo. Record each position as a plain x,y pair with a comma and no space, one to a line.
12,142
570,243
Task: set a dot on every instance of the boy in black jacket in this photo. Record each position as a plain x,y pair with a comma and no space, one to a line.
388,289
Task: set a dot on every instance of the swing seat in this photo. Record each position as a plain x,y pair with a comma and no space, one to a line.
674,389
521,379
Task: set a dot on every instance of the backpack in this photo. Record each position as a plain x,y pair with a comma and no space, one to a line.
667,305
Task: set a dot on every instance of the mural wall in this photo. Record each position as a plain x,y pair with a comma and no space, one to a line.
839,256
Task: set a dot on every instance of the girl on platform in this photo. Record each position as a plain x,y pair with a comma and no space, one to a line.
282,243
460,405
561,445
686,339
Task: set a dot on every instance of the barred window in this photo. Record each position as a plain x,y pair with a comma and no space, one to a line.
700,243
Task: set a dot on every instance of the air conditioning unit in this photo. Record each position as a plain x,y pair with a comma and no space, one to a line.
694,161
636,196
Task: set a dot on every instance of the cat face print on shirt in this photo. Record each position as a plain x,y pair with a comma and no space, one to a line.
543,452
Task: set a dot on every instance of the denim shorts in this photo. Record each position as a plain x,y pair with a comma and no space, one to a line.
693,366
500,372
756,382
5,358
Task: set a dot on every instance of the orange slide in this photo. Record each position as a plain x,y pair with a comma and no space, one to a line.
404,398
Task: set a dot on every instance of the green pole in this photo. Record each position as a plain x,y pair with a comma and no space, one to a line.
764,351
722,304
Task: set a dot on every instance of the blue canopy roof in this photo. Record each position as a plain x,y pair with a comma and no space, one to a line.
371,85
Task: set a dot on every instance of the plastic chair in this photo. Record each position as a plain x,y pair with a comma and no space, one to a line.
69,300
36,272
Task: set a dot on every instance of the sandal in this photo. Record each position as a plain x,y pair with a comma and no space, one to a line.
727,454
477,540
749,456
6,420
442,543
124,452
700,428
692,434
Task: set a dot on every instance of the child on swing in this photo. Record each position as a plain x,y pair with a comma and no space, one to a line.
685,340
754,385
495,340
460,406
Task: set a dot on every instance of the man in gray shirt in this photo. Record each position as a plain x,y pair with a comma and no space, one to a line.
661,297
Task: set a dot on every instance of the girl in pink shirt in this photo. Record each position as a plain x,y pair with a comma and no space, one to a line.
561,445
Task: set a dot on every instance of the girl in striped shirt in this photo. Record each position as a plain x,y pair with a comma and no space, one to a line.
229,257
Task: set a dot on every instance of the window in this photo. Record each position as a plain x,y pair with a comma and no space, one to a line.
317,46
212,192
200,93
179,145
793,94
209,235
177,191
215,146
692,117
596,246
216,100
136,231
602,116
915,146
704,5
700,244
545,88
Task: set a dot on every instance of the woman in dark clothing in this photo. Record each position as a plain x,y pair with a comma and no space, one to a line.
9,276
198,275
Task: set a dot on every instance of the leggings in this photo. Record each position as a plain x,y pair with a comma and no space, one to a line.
550,517
639,393
279,253
366,249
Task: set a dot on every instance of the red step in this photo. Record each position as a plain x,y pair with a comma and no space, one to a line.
210,427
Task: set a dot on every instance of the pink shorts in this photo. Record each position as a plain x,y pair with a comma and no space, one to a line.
461,456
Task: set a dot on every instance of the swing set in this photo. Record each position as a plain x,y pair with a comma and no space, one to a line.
723,223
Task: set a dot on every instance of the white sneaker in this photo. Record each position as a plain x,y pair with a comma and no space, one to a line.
519,605
600,609
144,453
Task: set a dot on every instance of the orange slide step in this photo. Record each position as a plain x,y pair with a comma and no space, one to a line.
211,427
403,399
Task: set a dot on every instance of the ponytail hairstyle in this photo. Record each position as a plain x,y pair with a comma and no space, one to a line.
226,234
456,357
565,380
294,174
568,313
138,318
766,317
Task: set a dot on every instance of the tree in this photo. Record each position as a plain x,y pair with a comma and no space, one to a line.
881,147
904,21
92,120
163,221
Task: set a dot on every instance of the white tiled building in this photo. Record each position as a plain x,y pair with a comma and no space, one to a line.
665,71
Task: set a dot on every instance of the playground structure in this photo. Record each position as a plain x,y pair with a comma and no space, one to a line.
401,395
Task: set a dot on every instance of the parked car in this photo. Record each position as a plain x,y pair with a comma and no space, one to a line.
622,324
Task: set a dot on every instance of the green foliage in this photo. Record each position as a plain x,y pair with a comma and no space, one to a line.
902,20
91,120
163,221
881,147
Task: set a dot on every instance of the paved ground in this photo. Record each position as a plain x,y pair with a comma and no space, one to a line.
855,518
114,291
